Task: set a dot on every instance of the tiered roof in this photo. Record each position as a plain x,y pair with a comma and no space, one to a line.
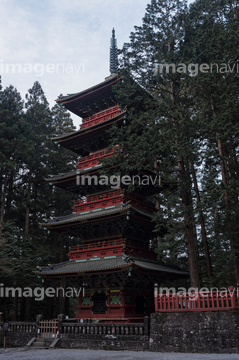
98,108
104,264
92,100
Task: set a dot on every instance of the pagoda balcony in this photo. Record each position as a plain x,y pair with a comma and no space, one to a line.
94,159
98,201
109,199
100,116
110,248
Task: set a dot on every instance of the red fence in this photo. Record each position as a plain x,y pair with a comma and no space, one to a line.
94,159
109,248
101,116
214,300
98,201
96,248
111,198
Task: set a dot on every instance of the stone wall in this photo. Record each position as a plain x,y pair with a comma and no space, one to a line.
104,342
203,332
19,333
15,339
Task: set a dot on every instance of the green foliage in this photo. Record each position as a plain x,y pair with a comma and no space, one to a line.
189,126
9,251
28,156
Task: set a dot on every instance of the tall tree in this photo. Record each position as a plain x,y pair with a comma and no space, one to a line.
38,118
28,156
167,121
11,140
215,91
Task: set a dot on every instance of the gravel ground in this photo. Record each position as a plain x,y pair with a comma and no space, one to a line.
74,354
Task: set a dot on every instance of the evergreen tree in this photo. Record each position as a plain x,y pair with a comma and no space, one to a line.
212,40
28,156
188,126
38,118
11,141
60,161
166,128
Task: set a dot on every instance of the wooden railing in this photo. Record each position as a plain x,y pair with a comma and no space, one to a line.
98,201
109,248
48,328
109,199
97,248
198,301
94,159
101,116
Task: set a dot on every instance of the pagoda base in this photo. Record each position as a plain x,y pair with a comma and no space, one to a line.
115,306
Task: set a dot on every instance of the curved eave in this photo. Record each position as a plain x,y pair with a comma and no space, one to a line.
72,174
64,222
69,140
72,97
79,271
111,263
59,177
75,218
68,181
74,102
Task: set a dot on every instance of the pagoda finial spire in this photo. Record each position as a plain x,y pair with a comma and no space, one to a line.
113,54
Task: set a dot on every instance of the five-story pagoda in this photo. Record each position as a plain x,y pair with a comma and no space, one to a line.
115,260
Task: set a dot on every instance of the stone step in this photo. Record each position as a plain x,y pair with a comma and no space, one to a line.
42,339
39,344
42,342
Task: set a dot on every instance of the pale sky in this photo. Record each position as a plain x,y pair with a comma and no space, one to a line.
64,44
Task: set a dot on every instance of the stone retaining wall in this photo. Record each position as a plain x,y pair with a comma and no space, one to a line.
203,332
104,342
15,339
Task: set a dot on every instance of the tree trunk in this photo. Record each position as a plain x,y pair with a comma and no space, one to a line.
27,220
189,224
202,223
3,197
157,206
227,200
10,193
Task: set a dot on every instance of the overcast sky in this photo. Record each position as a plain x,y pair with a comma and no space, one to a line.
64,44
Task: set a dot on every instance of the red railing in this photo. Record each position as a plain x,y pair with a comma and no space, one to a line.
109,199
94,159
98,201
198,301
97,248
100,116
109,248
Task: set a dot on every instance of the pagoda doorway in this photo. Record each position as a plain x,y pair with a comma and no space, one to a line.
100,303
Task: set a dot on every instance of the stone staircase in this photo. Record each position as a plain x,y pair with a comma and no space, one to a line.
42,342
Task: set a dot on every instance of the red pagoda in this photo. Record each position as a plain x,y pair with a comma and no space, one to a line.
115,259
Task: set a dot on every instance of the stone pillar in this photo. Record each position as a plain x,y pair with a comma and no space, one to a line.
146,325
61,318
38,319
156,297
